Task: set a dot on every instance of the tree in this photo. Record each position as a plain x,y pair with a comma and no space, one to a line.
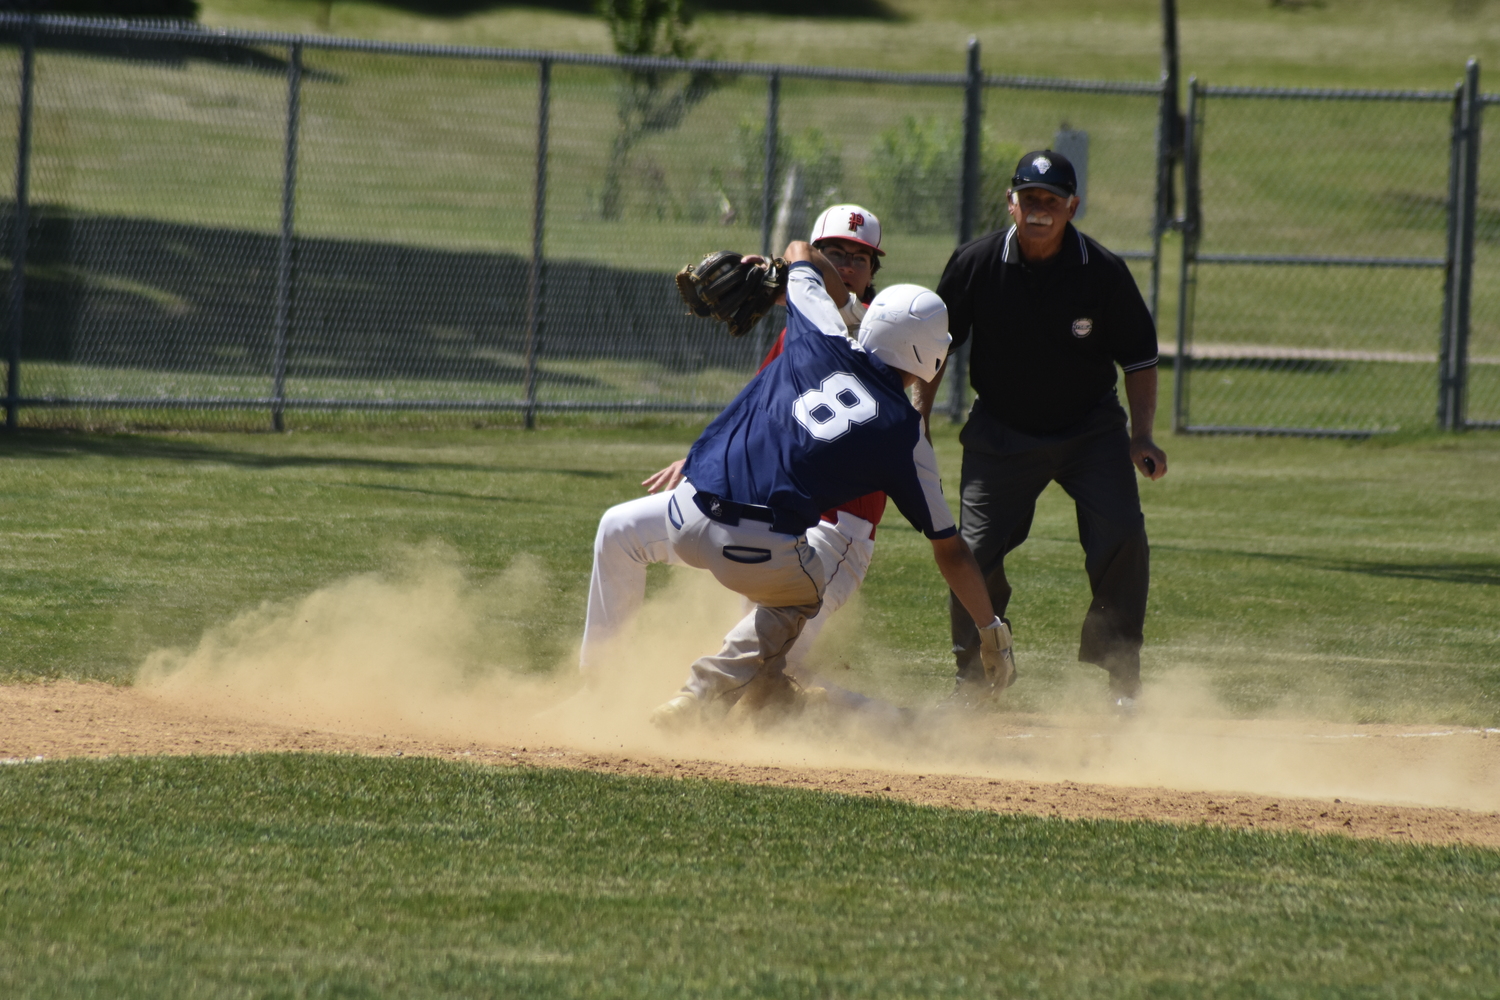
649,101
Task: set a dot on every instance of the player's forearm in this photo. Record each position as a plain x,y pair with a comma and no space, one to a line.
1140,393
961,572
927,393
832,283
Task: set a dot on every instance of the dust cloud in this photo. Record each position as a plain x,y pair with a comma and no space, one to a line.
426,651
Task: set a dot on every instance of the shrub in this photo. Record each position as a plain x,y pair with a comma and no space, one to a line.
914,176
819,158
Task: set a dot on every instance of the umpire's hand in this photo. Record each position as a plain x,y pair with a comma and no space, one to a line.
1150,459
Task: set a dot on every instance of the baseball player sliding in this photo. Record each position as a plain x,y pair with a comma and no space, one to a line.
633,534
828,423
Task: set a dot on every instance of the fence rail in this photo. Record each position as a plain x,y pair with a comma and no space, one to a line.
1325,94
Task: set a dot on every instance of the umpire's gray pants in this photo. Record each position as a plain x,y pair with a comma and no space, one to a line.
785,575
1004,471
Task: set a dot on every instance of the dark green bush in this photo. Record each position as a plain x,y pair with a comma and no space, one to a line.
817,156
914,176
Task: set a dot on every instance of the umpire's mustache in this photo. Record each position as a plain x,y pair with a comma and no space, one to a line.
1039,219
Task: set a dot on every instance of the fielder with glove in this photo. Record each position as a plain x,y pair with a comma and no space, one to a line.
830,423
633,534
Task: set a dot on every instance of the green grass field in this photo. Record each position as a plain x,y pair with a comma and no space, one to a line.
345,877
1350,579
1405,43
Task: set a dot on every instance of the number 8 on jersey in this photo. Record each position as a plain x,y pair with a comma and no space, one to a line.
841,402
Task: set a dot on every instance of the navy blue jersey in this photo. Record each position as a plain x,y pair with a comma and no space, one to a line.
825,424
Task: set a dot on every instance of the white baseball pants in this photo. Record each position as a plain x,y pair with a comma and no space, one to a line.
633,535
786,576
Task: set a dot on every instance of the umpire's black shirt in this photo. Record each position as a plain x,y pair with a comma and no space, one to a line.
1047,336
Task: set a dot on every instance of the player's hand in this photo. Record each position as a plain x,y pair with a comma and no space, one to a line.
1148,458
666,479
755,258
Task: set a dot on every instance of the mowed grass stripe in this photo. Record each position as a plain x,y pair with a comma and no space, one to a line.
340,876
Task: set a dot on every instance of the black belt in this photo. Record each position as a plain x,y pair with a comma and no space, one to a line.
732,512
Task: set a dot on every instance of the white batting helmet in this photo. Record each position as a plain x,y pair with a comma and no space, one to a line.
906,326
848,222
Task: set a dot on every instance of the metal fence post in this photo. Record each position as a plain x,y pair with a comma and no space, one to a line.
1463,285
768,178
19,237
286,263
1168,148
1445,408
968,210
536,280
1458,281
973,120
1187,275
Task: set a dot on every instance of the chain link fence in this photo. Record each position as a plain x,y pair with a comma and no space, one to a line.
241,230
244,230
1324,262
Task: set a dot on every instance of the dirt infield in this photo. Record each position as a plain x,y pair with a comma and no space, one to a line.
65,719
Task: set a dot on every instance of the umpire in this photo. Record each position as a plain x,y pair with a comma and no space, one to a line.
1051,313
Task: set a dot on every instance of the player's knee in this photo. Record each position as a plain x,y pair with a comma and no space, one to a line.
613,529
620,532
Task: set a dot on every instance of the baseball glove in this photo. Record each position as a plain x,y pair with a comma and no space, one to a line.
997,653
723,287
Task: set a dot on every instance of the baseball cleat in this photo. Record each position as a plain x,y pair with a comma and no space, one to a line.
1124,692
681,712
811,697
775,698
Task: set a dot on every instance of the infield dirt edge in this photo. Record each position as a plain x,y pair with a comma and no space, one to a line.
69,719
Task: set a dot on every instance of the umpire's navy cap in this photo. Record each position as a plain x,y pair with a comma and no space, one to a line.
1048,170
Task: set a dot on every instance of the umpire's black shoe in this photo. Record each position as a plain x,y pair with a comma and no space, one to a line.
1124,693
970,695
975,695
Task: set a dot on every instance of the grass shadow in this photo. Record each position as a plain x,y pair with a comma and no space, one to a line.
877,10
169,53
1481,574
450,494
68,444
1429,212
1473,574
147,295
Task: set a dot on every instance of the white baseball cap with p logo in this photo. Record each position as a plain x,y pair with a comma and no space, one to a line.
848,222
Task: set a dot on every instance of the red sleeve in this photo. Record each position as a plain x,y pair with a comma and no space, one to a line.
775,351
871,507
